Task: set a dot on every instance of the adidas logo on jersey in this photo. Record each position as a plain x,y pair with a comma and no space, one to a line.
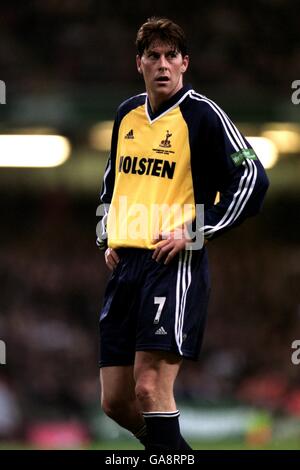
129,135
161,331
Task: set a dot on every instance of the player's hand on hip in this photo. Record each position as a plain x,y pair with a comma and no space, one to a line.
111,258
168,245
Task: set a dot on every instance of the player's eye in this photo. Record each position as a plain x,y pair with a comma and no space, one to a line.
153,55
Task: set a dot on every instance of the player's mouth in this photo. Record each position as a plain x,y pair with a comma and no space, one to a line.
162,79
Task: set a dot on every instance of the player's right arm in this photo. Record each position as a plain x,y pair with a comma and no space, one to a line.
107,190
111,258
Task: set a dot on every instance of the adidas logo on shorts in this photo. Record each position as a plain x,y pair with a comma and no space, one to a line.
161,331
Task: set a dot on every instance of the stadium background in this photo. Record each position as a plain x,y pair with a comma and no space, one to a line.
66,66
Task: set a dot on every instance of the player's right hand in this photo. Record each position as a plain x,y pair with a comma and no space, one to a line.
111,258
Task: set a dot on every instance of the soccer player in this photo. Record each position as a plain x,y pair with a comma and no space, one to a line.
171,147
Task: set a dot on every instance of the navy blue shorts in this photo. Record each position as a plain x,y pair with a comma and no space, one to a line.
152,306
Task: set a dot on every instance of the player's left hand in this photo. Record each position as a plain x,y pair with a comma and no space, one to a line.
168,245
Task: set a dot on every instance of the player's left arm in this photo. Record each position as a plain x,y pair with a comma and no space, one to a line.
240,178
235,172
168,246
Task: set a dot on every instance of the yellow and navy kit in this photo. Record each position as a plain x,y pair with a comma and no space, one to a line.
184,154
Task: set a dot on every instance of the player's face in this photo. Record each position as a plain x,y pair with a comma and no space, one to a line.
162,67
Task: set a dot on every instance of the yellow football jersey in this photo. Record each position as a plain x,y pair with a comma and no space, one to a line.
162,165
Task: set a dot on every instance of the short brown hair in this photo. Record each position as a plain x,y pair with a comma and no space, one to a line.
163,29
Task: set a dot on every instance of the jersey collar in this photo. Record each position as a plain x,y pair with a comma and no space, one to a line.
166,106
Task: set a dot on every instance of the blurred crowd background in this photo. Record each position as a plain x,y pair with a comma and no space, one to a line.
66,65
50,43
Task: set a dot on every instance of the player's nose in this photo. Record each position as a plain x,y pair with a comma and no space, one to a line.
163,63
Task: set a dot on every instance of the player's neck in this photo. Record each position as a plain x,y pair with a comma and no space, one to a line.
157,100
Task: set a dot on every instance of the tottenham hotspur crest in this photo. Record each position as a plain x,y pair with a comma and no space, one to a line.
165,145
166,142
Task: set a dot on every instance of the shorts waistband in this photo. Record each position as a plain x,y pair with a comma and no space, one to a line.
133,251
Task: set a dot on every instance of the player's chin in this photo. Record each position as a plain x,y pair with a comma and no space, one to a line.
163,88
162,84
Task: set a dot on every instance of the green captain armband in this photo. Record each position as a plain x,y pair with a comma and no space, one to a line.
239,157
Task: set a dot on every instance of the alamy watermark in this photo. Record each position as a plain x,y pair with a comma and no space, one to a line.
143,222
295,357
2,352
296,94
2,92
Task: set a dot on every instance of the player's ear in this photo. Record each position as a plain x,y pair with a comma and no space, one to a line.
139,64
185,63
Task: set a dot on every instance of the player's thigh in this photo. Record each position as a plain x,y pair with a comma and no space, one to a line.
156,368
117,384
173,306
117,323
